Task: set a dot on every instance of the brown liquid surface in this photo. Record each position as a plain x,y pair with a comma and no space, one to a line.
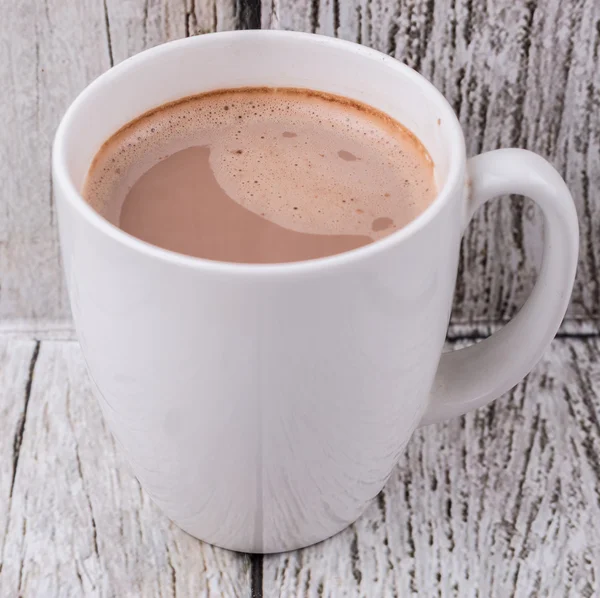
261,176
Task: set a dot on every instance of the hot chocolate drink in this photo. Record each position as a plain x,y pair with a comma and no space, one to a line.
261,175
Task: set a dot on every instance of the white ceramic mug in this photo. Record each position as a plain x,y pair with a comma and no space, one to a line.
263,406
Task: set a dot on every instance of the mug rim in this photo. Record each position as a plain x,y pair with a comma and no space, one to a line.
63,180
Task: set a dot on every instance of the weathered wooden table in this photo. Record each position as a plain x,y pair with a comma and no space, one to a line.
501,502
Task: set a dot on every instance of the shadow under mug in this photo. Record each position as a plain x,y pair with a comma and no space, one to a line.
263,406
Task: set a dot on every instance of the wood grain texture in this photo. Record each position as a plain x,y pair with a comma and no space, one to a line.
502,502
73,519
51,50
17,362
518,73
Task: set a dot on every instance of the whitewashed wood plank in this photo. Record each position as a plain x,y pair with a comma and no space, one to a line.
51,50
136,25
269,14
502,502
295,16
79,524
17,362
201,17
518,74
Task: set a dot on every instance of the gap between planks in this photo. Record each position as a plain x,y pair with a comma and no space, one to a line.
503,501
62,330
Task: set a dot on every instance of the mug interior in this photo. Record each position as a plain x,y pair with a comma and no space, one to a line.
257,58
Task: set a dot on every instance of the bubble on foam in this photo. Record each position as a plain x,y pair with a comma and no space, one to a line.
263,145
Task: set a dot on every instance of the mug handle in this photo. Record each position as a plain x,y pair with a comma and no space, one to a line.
472,377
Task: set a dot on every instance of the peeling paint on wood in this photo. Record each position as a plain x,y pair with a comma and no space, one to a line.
518,74
75,522
502,502
52,50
